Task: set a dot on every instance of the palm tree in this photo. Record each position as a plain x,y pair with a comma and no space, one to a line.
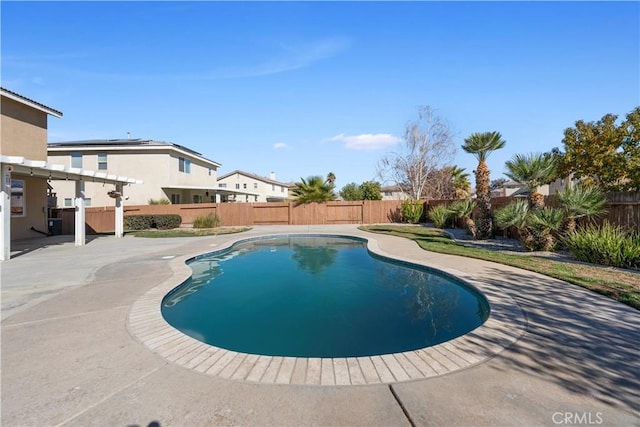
313,189
331,178
532,170
581,202
537,228
460,181
462,209
481,145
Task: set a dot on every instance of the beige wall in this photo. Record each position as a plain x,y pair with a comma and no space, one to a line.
35,194
23,131
252,185
158,170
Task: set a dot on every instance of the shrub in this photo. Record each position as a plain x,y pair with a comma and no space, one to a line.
537,228
145,222
412,210
138,222
463,209
439,215
162,201
209,221
606,244
167,222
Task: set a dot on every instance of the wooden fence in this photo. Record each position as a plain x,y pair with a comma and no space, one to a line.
623,209
102,220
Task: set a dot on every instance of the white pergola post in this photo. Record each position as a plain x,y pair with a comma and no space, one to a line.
5,212
119,212
80,214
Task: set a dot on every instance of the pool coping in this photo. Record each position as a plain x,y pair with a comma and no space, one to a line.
505,325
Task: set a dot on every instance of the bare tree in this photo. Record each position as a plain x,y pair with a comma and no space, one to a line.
427,147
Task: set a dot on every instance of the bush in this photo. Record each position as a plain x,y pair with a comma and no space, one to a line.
137,222
606,244
412,210
162,201
167,222
439,215
209,221
145,222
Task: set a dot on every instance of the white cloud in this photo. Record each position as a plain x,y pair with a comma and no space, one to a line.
366,141
279,145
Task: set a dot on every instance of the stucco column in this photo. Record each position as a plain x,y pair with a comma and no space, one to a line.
5,213
119,211
80,215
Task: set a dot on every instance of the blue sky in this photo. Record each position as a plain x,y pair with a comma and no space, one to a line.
305,88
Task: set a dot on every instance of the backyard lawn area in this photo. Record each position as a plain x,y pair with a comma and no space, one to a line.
619,284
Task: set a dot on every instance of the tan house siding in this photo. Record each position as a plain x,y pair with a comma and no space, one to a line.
263,189
35,209
157,166
23,131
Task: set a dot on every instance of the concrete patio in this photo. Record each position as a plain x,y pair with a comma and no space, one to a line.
72,355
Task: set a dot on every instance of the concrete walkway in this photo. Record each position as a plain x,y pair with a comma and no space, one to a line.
71,357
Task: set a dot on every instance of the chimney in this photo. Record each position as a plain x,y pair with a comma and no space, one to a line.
272,176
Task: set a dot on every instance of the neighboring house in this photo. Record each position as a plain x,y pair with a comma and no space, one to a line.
253,188
169,171
515,189
393,192
27,176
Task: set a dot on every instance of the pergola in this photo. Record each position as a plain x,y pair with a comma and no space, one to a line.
15,165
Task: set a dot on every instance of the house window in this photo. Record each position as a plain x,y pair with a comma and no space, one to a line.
197,198
255,185
222,185
102,162
282,189
244,186
184,165
76,159
18,206
68,202
175,199
273,187
209,171
237,186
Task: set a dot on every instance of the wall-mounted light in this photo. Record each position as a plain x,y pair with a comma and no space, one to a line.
31,173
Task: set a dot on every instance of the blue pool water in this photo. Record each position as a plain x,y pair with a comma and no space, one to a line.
319,296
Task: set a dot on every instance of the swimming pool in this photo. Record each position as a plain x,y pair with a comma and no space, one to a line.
319,296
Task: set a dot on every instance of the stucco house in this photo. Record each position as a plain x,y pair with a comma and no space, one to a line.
27,175
253,188
393,192
169,171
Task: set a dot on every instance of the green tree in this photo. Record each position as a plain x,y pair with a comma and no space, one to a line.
481,145
331,179
370,190
313,189
532,171
603,153
460,181
351,191
463,209
581,202
537,228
